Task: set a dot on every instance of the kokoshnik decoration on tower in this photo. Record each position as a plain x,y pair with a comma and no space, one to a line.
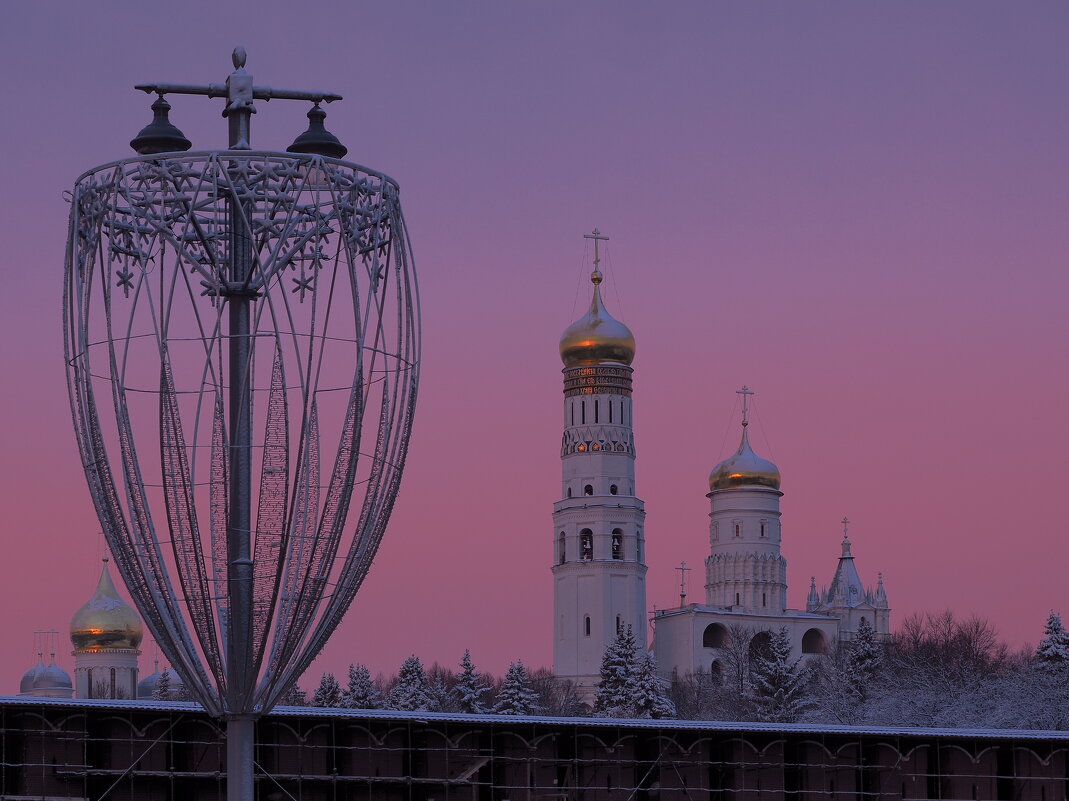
242,342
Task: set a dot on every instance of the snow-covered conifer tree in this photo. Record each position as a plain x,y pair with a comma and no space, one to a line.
1053,649
470,687
411,691
162,690
328,693
651,691
779,687
616,690
361,692
443,699
862,661
516,696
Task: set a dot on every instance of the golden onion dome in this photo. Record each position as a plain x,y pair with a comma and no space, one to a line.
744,469
106,620
596,336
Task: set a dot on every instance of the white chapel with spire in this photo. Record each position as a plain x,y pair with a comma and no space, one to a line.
848,599
599,569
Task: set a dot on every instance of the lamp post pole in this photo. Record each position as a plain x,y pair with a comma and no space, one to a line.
240,727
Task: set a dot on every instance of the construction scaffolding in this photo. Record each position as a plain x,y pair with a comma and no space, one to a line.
135,751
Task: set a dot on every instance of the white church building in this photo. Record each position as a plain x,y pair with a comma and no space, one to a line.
599,566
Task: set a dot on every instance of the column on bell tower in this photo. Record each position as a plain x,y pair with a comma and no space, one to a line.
598,541
745,570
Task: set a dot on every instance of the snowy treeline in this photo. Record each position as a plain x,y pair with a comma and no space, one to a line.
935,671
439,689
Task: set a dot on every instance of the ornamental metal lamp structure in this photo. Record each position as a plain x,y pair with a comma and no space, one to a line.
242,343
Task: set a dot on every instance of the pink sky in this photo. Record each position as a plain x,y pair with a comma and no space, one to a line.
858,210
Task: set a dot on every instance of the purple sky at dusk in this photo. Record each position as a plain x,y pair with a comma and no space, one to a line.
860,210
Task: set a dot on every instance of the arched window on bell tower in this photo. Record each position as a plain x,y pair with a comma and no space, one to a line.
617,544
561,548
586,545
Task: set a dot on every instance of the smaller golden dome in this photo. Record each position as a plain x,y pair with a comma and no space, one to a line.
596,336
744,469
106,620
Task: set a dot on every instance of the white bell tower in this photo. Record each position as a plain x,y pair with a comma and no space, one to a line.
745,570
599,570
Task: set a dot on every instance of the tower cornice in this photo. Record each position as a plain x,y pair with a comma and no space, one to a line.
723,493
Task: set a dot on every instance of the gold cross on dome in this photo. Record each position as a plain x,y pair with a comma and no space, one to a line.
746,392
597,237
846,528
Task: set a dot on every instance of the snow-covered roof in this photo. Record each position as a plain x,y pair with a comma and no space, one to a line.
848,582
512,720
701,609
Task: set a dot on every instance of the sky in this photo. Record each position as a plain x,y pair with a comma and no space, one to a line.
857,209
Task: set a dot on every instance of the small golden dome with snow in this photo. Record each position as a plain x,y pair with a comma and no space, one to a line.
106,620
596,336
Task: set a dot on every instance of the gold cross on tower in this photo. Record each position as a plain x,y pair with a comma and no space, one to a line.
597,237
683,570
746,392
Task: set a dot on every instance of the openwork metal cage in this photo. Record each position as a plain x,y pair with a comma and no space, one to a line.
242,343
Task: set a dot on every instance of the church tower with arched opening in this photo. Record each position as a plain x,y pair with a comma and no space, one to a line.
599,569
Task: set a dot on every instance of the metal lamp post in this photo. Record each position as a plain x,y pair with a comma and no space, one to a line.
229,315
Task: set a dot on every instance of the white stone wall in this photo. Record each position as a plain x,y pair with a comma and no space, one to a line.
598,544
94,667
745,570
679,635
